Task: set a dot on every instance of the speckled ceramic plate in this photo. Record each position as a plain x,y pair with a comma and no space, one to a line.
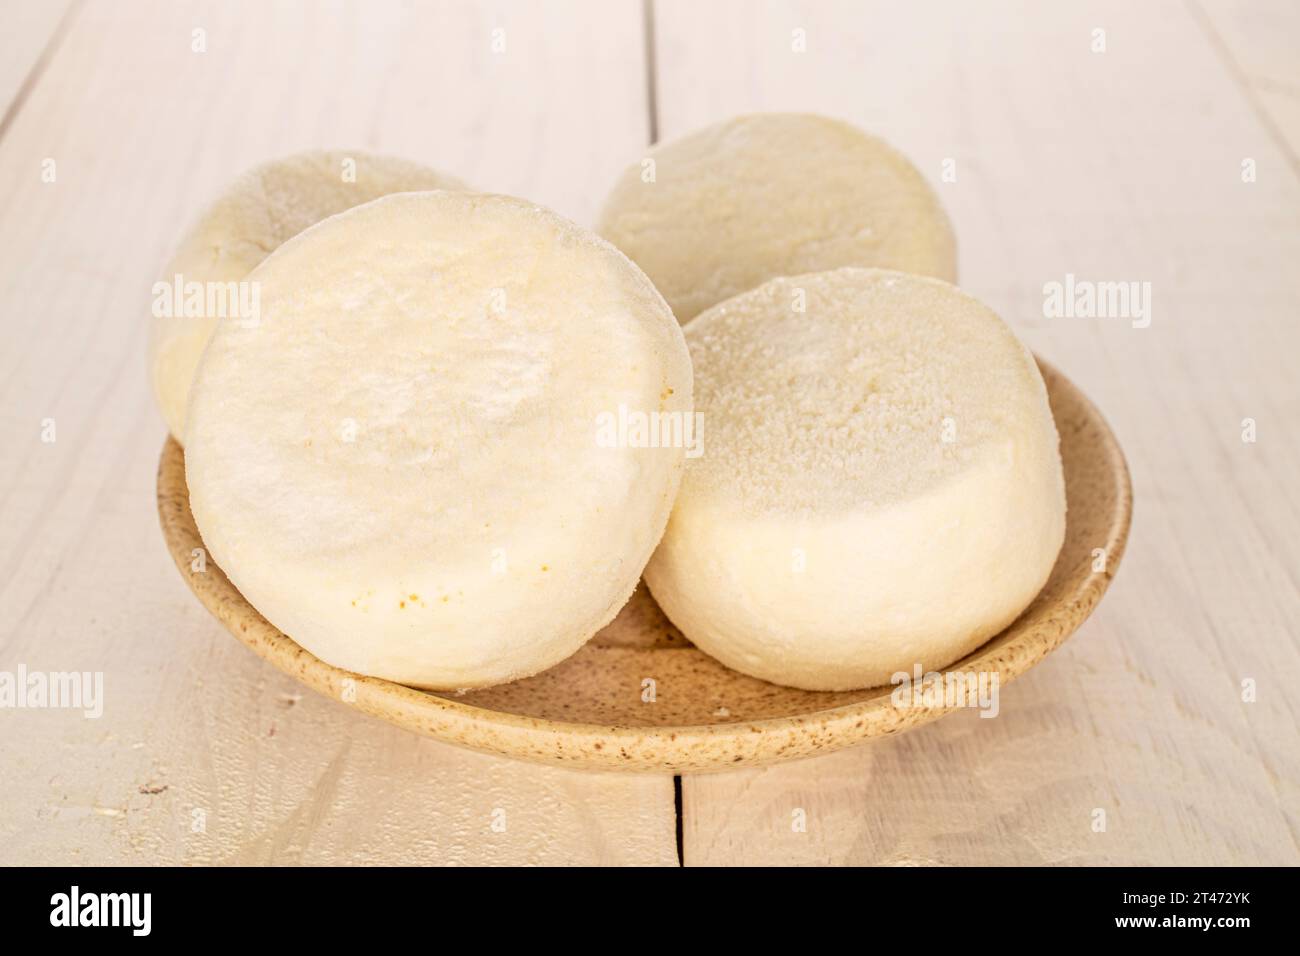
594,710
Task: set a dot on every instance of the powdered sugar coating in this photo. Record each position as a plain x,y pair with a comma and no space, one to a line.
881,486
399,465
264,207
725,208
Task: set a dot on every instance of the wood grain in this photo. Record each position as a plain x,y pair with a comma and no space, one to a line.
144,131
1256,43
1121,165
1117,165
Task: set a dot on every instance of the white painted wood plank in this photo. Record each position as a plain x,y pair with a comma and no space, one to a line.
1257,40
28,31
1117,165
143,131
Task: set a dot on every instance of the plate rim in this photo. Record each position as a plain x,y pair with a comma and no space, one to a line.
647,748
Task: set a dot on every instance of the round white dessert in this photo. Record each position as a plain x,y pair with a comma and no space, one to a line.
725,208
880,485
401,466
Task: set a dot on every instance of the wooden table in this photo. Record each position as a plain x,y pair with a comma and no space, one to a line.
1122,164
